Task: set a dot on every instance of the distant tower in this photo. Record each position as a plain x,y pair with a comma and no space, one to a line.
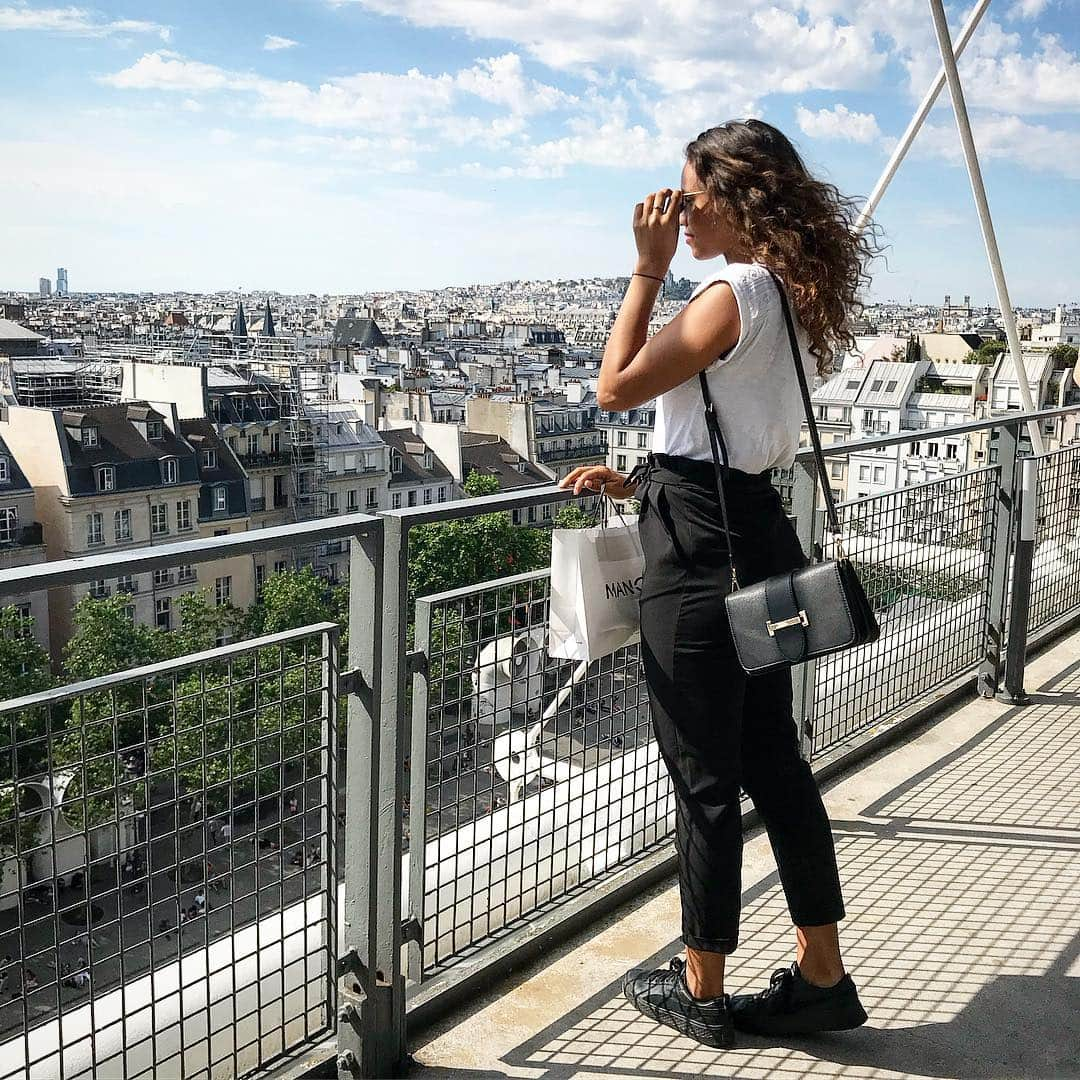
239,327
268,321
61,281
44,287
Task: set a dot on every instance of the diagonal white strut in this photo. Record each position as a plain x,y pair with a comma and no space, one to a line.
956,91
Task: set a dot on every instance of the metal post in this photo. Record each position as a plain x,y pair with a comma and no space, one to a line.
371,1034
993,663
1020,599
967,141
809,525
418,787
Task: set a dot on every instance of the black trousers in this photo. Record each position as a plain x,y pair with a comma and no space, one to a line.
718,728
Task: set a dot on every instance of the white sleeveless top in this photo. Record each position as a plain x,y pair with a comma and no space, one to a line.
754,387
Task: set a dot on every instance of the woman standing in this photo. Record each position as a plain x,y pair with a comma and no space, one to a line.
745,195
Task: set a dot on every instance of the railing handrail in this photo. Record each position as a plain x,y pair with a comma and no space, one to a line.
82,568
1012,418
163,667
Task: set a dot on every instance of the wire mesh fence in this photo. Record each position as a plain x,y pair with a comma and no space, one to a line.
533,777
923,556
169,876
1055,570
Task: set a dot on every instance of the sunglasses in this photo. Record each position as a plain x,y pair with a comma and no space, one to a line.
685,201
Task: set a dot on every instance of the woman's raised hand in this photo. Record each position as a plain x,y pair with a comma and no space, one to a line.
592,476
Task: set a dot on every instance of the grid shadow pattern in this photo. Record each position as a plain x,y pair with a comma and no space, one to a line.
168,898
963,941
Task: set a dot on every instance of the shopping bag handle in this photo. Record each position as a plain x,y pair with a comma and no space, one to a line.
614,503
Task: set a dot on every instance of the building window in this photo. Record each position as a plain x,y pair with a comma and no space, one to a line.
98,589
864,472
162,613
93,530
9,524
222,590
395,500
185,572
331,502
125,583
260,576
89,436
275,442
159,519
427,496
252,445
932,449
221,499
642,439
620,438
170,470
183,515
620,462
395,462
352,501
155,430
106,478
913,450
950,450
836,469
209,459
162,579
531,513
5,471
412,498
442,493
280,566
879,474
372,499
122,524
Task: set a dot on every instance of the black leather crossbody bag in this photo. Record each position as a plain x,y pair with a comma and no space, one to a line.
803,613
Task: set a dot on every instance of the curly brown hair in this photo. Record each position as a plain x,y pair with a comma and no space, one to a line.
800,227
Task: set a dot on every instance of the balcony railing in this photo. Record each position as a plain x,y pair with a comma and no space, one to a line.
488,804
265,459
597,449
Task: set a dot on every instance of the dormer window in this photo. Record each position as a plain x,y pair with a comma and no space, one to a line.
221,499
89,436
427,459
106,478
209,459
395,462
155,430
170,470
5,470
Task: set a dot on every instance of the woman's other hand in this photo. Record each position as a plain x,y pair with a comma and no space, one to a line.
592,476
656,230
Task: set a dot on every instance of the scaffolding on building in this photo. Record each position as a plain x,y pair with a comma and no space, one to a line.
57,382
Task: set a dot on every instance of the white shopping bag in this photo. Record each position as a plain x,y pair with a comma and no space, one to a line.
595,586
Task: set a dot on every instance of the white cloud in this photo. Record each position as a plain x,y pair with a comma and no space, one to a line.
1005,138
76,21
1027,9
273,43
838,123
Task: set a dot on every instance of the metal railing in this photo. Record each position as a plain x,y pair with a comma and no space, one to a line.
492,795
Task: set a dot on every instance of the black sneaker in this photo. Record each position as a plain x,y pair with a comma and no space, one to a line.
793,1006
662,996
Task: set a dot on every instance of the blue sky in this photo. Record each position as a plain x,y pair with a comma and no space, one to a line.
335,146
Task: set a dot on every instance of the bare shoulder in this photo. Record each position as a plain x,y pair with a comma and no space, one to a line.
713,317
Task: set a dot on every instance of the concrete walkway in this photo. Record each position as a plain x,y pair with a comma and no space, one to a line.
959,853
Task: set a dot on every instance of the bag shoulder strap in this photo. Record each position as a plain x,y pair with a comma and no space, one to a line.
716,437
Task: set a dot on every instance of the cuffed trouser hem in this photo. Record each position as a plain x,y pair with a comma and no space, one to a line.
818,918
711,944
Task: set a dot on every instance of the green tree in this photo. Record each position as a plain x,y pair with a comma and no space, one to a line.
1063,356
452,554
24,664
